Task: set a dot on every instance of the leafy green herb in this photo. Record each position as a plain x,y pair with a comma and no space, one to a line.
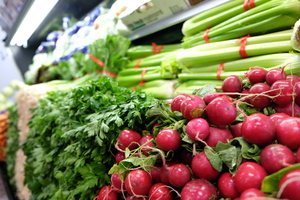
12,144
111,51
70,145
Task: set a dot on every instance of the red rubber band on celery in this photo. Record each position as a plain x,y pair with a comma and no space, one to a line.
107,73
156,49
99,62
142,81
248,4
219,72
242,51
137,65
205,36
252,3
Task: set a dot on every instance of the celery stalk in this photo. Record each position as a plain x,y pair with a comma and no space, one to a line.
153,60
267,10
264,61
133,71
160,89
134,80
214,16
271,37
291,62
142,51
190,58
207,75
275,23
191,85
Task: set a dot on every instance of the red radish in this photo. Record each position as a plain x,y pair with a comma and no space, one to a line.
221,111
128,139
276,118
249,175
232,83
236,129
260,101
176,102
282,92
145,141
290,109
138,182
293,79
297,93
289,185
179,175
288,132
245,95
160,191
258,129
202,167
164,172
275,75
155,174
275,157
136,198
256,75
298,156
199,189
168,139
193,107
106,193
226,186
197,129
116,183
218,135
251,192
119,157
211,96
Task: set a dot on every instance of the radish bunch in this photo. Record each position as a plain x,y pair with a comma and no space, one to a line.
175,159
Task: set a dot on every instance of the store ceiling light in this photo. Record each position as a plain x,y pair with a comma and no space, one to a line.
34,17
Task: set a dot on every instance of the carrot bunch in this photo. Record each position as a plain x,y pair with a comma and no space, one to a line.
3,130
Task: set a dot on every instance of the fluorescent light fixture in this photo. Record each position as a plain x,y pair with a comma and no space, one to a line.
34,17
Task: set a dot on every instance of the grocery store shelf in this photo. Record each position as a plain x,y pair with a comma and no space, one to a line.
175,19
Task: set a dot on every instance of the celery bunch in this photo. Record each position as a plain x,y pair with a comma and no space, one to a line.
274,15
229,50
214,16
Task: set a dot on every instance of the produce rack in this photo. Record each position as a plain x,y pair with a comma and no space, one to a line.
154,84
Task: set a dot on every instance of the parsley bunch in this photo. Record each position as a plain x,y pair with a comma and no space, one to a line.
69,147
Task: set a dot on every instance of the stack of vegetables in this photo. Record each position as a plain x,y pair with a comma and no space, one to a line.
243,34
240,142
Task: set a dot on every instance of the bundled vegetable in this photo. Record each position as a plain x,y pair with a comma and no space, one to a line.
69,158
106,56
226,143
271,16
224,51
142,51
216,15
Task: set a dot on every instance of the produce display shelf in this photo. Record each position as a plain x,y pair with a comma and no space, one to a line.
175,19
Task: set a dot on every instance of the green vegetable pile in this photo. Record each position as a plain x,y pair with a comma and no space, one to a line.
69,146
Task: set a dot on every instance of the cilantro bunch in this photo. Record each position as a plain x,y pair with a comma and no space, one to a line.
70,145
